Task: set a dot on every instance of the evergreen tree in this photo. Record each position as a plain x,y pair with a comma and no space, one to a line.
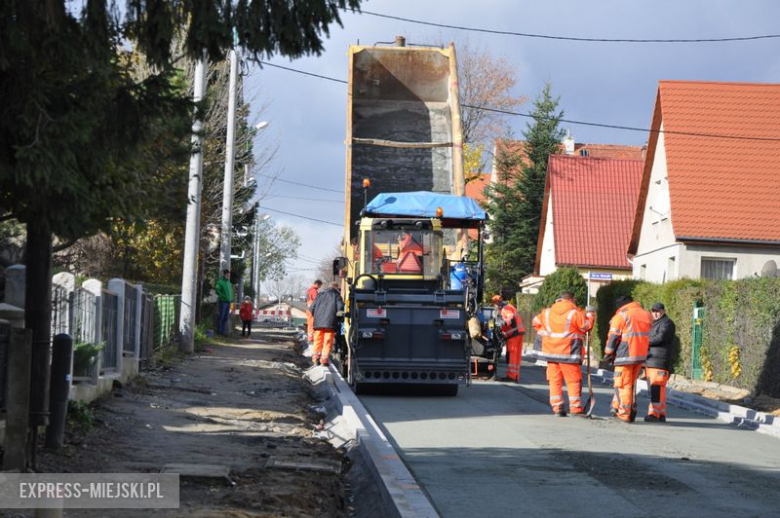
514,201
74,123
504,204
543,138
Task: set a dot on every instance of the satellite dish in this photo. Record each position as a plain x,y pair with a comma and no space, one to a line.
769,269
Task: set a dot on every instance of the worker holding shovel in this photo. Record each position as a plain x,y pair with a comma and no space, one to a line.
627,345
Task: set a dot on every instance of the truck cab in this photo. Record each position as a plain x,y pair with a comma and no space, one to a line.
406,315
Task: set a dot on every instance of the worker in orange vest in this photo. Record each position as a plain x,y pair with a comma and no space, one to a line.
311,294
562,327
407,243
513,330
627,345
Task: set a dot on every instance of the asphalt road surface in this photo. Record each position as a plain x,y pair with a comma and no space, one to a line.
497,450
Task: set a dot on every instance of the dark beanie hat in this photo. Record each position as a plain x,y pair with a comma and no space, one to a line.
622,300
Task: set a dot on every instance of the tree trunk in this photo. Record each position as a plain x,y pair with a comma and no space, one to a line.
37,315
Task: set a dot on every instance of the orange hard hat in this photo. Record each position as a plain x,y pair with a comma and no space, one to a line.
496,299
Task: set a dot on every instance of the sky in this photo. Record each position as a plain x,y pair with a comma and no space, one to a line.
599,82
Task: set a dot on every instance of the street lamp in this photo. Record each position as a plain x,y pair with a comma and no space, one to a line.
257,127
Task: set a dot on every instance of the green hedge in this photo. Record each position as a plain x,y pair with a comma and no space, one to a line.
741,338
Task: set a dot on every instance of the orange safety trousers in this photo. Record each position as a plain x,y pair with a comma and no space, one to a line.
309,326
323,343
514,352
657,379
572,374
625,386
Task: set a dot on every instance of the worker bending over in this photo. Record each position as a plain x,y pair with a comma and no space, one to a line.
627,346
513,330
562,327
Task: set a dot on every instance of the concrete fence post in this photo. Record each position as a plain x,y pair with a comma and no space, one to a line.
14,285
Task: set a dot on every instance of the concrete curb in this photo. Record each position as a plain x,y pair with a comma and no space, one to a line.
400,492
739,416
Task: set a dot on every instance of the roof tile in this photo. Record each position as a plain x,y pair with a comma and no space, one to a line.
594,201
723,188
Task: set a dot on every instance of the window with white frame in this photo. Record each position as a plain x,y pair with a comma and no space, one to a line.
717,268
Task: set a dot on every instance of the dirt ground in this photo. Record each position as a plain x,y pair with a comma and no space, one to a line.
242,404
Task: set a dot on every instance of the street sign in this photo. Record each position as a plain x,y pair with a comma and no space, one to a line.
597,276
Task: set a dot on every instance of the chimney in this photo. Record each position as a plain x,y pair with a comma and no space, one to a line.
568,143
400,41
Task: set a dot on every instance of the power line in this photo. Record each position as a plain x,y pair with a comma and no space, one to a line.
626,128
299,183
585,123
304,73
572,38
304,199
304,217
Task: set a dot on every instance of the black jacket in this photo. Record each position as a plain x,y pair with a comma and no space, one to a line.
661,339
325,307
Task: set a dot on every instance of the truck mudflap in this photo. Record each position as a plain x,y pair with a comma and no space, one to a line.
410,344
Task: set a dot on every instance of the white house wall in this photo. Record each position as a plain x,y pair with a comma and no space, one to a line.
547,260
658,254
749,261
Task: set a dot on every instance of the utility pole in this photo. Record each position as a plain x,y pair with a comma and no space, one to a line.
189,279
227,192
255,255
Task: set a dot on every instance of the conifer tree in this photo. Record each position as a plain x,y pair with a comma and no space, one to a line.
73,120
514,201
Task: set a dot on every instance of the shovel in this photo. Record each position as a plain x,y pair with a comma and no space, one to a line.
590,404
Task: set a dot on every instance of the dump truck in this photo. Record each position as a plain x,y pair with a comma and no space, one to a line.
412,280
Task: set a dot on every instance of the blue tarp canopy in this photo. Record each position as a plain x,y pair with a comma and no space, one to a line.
424,204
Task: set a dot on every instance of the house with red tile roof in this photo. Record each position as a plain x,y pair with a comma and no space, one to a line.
475,189
709,201
587,215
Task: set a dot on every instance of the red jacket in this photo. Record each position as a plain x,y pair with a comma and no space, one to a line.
245,311
512,324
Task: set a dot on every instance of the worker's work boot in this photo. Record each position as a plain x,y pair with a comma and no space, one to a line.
655,419
560,413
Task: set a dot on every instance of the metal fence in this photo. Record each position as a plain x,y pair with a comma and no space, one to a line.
108,327
60,310
84,316
147,326
128,329
5,338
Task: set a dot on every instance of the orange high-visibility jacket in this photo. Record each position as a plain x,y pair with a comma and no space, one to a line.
562,327
311,294
512,324
629,334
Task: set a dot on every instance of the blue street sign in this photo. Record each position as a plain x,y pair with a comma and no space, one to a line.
596,276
